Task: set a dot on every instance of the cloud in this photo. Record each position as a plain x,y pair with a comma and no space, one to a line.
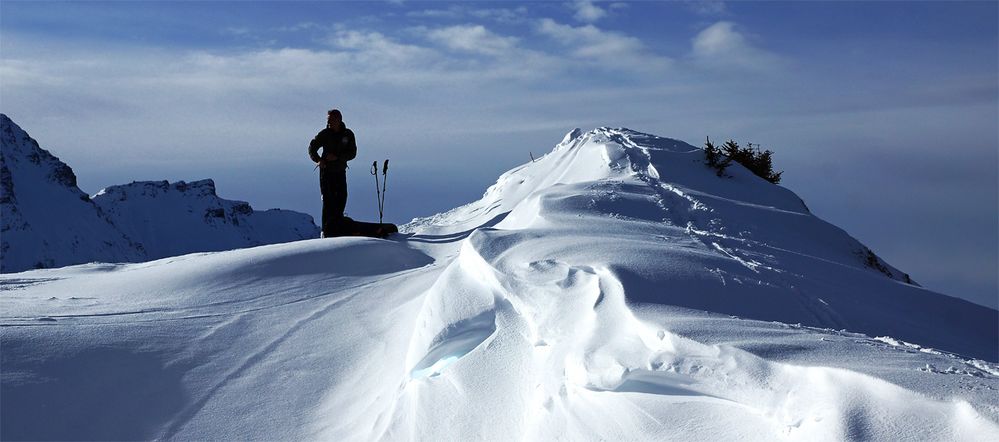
286,68
723,45
502,15
592,43
707,7
587,12
460,12
453,12
719,38
299,27
374,51
235,30
473,39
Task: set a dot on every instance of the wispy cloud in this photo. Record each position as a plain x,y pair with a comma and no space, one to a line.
502,15
298,27
591,43
463,11
707,7
375,49
233,30
473,39
724,45
587,11
454,11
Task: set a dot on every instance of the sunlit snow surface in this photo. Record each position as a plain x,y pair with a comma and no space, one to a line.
615,289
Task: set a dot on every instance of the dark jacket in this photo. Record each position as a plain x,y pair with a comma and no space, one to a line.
340,143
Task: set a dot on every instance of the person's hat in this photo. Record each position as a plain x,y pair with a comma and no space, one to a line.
335,112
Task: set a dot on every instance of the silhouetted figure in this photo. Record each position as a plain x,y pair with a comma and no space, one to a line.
338,147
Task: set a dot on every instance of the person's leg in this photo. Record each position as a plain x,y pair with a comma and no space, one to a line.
339,185
329,206
328,216
334,187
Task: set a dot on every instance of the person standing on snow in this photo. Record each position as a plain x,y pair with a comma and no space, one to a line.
338,147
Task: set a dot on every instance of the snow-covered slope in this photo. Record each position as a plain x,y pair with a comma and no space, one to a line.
615,289
49,222
674,233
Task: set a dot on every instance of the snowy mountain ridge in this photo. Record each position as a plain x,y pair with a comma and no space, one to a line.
772,259
614,289
176,218
49,222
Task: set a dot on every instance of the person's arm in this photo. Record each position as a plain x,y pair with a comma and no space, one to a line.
350,151
314,146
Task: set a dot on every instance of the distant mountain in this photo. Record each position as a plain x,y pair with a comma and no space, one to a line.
176,218
47,221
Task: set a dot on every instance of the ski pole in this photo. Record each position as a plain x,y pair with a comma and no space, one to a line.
378,197
381,207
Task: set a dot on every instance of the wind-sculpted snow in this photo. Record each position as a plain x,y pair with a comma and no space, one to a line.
679,235
614,289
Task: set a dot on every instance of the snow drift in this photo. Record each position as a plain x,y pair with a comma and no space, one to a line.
613,289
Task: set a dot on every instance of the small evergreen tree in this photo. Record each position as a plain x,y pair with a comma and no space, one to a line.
735,153
711,153
714,157
760,162
763,165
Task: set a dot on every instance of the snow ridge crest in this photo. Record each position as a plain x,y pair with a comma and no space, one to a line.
199,188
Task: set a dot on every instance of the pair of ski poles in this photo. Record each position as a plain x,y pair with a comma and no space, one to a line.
380,193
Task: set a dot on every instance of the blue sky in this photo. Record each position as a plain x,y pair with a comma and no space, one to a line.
882,114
